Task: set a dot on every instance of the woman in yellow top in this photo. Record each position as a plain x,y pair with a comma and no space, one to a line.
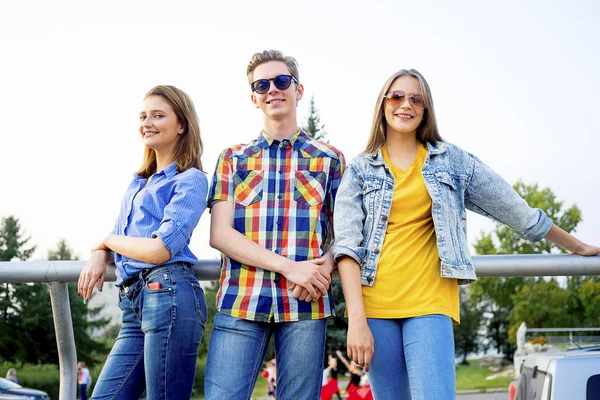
401,245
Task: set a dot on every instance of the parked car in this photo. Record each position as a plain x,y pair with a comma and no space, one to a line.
571,374
12,390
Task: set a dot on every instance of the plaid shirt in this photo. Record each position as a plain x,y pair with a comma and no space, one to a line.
283,194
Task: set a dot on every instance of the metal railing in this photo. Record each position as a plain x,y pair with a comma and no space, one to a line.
58,273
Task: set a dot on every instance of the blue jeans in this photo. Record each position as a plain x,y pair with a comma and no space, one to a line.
157,345
82,391
413,359
237,349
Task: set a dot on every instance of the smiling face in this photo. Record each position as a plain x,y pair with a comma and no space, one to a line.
276,104
159,126
403,118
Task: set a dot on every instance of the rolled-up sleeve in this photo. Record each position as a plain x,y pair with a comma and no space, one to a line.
183,212
221,188
349,217
490,195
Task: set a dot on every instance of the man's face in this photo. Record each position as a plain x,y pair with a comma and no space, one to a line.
275,103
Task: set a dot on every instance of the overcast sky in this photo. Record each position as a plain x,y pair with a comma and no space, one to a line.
514,82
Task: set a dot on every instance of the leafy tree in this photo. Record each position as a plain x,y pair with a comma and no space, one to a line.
541,303
466,334
85,318
13,246
588,294
497,295
313,127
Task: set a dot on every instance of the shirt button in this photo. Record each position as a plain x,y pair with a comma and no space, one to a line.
384,218
276,251
369,279
280,197
179,223
376,251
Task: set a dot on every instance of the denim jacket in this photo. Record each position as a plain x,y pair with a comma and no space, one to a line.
456,181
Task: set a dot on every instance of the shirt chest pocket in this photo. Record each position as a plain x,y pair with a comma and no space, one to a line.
372,192
309,188
450,189
248,187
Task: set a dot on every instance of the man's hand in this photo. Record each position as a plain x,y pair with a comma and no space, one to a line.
325,266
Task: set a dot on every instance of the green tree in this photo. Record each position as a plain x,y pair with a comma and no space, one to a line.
497,295
466,334
586,299
85,318
313,127
13,246
37,324
541,303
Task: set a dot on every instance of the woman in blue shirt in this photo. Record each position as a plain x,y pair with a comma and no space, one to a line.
163,305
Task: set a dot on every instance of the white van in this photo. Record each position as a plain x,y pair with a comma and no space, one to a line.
570,375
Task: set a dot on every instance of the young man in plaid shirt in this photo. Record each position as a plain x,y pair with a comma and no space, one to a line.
271,204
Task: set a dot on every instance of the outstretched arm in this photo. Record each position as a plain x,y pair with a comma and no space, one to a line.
570,243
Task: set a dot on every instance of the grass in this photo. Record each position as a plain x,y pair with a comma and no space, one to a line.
473,376
468,377
260,390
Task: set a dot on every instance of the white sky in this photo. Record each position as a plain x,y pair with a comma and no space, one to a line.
514,82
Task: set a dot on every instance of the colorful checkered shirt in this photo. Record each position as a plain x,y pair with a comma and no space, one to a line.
283,194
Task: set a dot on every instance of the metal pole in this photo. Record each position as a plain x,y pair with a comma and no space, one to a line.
536,265
65,339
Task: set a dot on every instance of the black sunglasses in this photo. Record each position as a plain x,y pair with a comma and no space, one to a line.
281,82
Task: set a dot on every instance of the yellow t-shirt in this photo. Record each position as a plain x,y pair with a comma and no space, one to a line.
408,281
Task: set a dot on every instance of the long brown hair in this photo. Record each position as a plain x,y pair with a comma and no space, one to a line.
427,130
188,149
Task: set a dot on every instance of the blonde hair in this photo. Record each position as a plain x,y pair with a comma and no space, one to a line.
272,55
81,364
11,372
427,130
188,149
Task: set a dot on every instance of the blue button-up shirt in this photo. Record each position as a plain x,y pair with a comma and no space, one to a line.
168,206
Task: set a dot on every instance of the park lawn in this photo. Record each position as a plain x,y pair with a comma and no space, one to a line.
473,376
468,377
260,390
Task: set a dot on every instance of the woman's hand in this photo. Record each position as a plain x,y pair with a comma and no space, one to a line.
587,250
93,272
361,345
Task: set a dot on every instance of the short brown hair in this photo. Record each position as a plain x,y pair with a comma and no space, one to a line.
272,55
427,130
188,150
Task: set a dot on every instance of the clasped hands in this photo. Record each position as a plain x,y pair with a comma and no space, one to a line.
310,280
